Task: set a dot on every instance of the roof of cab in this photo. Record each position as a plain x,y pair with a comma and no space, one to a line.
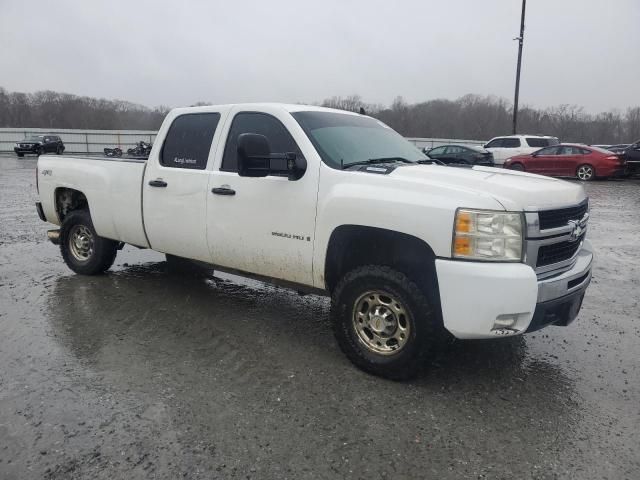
288,107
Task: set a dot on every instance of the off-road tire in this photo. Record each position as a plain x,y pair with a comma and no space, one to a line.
104,250
424,333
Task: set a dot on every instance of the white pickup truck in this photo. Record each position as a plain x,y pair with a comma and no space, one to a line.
336,203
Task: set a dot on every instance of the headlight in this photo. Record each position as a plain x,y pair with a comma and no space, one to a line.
487,235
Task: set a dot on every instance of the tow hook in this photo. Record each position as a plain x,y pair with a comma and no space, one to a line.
54,236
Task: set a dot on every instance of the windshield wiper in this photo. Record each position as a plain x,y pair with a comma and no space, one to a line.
377,160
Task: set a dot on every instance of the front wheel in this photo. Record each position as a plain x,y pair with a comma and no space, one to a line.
518,167
585,172
20,155
82,249
41,151
383,322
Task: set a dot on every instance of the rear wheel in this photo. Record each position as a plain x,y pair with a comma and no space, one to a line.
585,172
383,322
59,150
82,249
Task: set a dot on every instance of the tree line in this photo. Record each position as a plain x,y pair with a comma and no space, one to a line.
49,109
472,117
476,117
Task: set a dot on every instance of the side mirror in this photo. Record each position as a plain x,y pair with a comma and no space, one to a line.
256,160
534,155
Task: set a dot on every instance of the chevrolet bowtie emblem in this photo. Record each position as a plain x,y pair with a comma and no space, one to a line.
576,230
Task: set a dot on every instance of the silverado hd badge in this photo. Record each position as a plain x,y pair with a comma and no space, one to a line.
290,235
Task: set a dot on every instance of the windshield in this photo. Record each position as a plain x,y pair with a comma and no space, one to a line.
34,138
342,139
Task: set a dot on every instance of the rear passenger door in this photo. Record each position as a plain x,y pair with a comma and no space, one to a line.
567,161
174,189
454,154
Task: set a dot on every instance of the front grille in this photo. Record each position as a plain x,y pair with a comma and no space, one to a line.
557,252
560,218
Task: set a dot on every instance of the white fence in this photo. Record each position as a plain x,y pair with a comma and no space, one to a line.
94,141
436,142
78,141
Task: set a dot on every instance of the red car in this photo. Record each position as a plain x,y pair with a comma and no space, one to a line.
569,160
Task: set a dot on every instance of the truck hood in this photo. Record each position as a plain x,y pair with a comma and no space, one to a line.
516,191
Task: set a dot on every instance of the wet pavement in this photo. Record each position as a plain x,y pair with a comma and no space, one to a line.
142,374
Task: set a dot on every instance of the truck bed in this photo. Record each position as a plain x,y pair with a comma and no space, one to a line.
112,187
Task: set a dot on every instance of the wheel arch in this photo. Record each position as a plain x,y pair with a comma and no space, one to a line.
67,200
352,246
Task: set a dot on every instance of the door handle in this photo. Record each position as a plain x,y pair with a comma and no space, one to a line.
158,183
224,190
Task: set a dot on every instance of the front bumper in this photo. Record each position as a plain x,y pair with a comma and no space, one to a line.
33,149
478,297
633,167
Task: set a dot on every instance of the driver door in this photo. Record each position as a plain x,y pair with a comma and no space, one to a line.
262,225
544,161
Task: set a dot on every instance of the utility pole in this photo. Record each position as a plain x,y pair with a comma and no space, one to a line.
520,41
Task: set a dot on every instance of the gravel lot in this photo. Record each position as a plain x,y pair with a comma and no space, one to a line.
141,374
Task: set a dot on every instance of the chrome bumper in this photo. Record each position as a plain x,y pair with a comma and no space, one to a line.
576,278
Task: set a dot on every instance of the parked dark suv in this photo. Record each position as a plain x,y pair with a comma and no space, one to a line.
632,156
39,144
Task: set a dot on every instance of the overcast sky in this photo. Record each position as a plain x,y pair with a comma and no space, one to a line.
175,53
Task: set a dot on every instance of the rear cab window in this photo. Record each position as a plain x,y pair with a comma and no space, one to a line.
188,141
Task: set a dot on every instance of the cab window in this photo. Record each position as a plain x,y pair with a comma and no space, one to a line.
188,141
511,143
280,140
